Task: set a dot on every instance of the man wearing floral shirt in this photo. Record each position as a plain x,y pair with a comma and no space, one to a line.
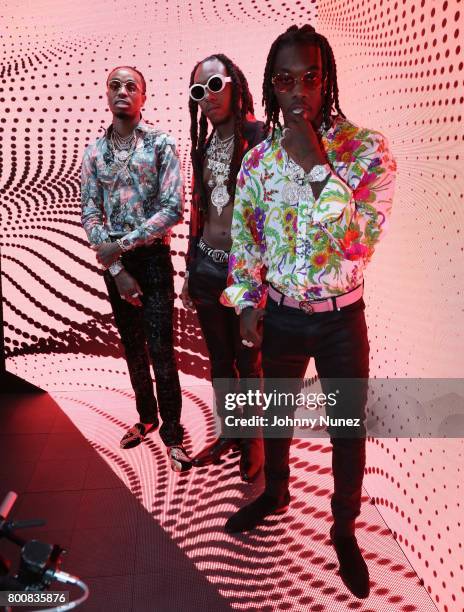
311,203
131,197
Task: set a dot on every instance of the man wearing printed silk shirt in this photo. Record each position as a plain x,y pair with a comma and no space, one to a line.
132,195
311,203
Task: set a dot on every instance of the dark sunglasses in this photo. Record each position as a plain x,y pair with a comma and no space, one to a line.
284,82
214,84
131,87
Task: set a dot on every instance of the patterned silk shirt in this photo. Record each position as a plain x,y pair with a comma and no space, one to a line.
139,205
313,249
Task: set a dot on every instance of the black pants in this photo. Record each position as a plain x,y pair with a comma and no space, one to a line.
338,342
149,331
229,358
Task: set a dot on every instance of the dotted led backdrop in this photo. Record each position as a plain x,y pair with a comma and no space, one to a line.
400,72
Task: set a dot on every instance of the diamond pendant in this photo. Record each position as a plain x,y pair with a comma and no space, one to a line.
127,179
291,193
122,155
219,197
306,193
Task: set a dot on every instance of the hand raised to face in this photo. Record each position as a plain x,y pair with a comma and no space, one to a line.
301,141
299,89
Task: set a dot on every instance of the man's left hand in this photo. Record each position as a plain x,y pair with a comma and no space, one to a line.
108,253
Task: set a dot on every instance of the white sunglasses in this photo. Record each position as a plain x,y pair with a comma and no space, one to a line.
214,84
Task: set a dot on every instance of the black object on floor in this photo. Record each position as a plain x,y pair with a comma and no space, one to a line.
128,561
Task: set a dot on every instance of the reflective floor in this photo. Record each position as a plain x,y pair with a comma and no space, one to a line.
145,538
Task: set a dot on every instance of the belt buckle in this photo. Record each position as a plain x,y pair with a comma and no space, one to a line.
306,307
217,255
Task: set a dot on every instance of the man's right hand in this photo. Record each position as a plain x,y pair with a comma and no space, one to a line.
301,141
185,297
128,288
251,326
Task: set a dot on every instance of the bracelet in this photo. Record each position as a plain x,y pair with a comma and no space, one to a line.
240,309
115,268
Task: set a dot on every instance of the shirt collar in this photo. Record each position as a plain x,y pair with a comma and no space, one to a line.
142,126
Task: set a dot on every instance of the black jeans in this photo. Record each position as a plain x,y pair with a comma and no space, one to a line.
149,331
338,342
229,358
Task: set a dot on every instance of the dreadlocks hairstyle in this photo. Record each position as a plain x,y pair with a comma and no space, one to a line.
294,36
134,70
242,105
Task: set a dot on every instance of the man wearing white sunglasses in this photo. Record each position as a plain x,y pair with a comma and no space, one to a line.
220,91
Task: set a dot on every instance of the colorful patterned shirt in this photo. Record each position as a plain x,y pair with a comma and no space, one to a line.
142,208
316,248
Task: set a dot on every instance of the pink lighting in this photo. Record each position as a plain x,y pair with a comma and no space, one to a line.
400,72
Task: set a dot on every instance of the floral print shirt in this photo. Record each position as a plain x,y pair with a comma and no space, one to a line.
316,248
139,206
